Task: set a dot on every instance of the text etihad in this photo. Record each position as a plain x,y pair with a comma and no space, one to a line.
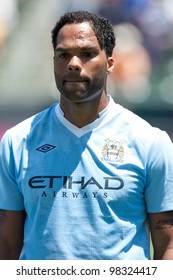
68,182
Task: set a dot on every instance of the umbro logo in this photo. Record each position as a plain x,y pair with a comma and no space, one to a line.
45,148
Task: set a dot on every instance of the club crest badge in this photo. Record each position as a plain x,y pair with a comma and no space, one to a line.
113,150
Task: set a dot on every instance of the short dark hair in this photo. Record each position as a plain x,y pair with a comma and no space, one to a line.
101,26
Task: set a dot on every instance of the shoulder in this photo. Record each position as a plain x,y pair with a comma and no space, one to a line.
22,130
131,118
137,129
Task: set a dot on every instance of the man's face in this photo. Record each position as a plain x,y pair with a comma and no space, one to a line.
80,66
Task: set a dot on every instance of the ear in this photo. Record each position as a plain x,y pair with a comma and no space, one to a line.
110,65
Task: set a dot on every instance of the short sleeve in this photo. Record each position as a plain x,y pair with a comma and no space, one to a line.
11,197
159,172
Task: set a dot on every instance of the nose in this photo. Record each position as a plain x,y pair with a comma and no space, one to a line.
74,64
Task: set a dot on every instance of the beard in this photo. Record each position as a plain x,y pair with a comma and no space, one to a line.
80,90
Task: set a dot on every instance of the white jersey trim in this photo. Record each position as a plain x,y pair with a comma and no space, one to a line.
85,129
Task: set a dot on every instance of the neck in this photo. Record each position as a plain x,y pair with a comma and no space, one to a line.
83,113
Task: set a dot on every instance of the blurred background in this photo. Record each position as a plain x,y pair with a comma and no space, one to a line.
143,77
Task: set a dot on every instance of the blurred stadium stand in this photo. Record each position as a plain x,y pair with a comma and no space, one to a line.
143,78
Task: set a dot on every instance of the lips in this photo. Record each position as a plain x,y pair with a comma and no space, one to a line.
75,79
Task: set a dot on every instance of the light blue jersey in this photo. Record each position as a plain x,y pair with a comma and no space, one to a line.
86,191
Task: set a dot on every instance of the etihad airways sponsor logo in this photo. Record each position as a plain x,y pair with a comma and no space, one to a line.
69,182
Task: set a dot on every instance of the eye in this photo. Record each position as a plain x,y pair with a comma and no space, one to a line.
61,55
89,54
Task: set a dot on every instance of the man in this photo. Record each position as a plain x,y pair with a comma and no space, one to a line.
86,178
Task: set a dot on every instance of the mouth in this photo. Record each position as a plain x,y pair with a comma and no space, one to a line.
74,80
75,83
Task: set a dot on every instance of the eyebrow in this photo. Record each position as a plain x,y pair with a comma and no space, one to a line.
85,48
